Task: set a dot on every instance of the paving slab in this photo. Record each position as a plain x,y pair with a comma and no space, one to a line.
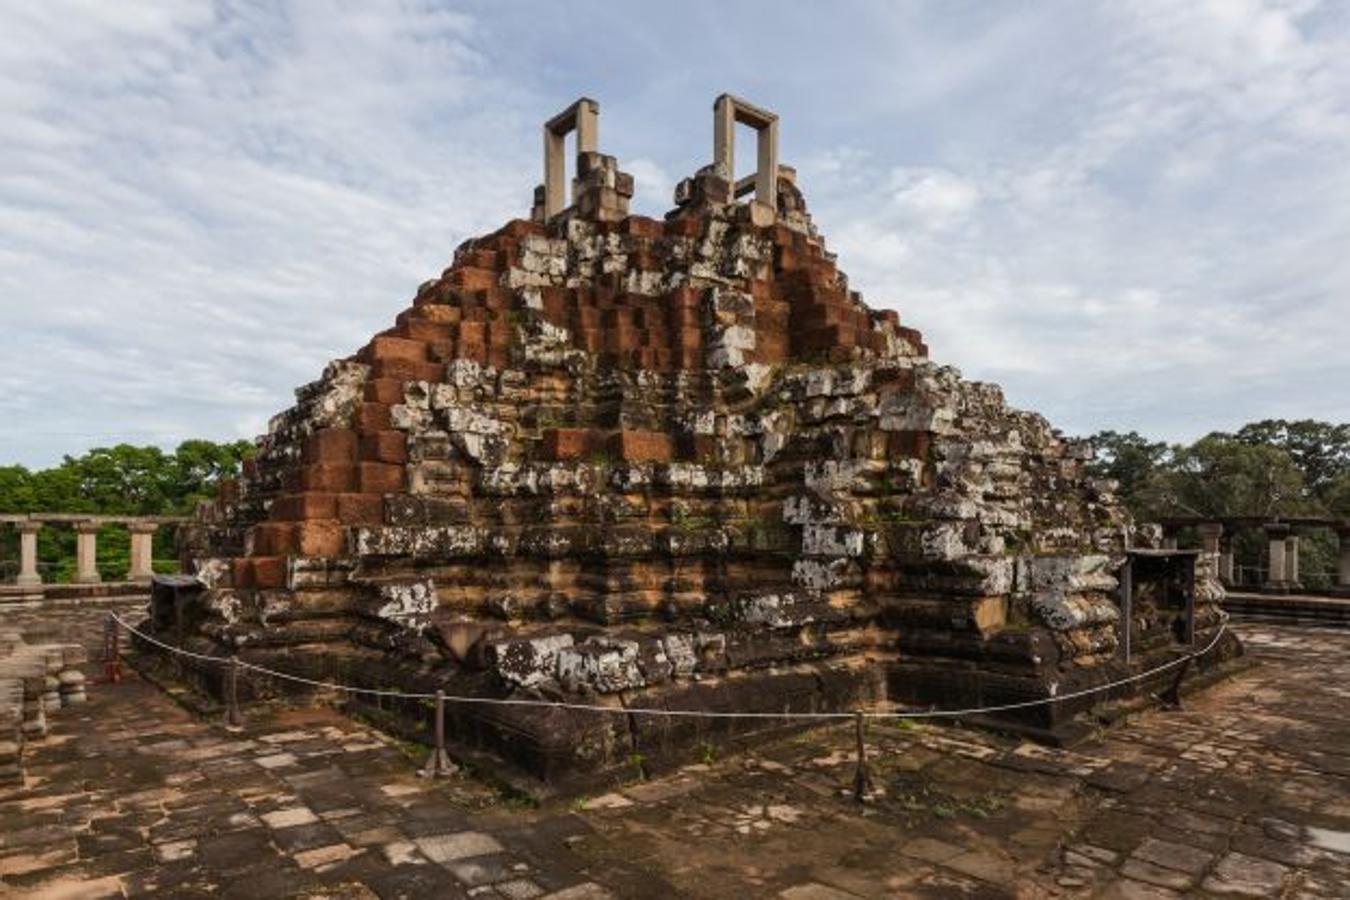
1243,792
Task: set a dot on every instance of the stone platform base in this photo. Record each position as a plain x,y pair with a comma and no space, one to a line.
546,751
1302,609
72,593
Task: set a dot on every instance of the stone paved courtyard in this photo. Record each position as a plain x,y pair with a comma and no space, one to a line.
1245,792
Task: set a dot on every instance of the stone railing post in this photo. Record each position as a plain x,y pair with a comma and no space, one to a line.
142,550
1276,578
1211,537
28,570
1227,562
1343,568
86,553
1210,533
1291,559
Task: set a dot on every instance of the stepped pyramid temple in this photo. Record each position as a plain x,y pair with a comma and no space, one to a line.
675,463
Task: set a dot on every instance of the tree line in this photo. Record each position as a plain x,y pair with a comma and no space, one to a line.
119,480
1271,468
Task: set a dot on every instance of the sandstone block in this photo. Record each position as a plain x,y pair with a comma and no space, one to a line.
328,477
472,278
319,539
407,370
360,509
424,332
273,538
330,445
441,313
372,417
379,478
268,571
642,446
571,443
385,446
397,348
909,444
388,391
241,572
301,507
641,226
684,226
473,332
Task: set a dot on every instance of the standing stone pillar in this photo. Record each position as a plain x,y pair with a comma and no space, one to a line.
86,553
1275,573
1170,542
1291,560
1210,533
28,570
1343,569
142,550
1226,560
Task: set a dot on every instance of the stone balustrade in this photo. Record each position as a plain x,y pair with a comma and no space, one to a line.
141,528
1282,572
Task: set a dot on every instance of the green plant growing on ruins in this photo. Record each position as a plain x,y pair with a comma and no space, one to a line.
1019,542
723,615
682,518
638,760
708,753
548,417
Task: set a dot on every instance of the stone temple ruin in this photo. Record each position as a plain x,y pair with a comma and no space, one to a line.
676,463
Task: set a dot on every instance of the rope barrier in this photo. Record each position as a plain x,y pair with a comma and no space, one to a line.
679,713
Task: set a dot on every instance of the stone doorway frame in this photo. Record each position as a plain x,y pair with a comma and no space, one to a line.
583,117
728,111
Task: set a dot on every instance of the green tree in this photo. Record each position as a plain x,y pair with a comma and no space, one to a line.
119,480
1321,450
1220,475
1130,459
1336,496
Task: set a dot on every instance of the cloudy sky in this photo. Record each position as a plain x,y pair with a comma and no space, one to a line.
1131,215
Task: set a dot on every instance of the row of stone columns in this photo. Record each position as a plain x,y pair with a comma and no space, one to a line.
86,552
1282,571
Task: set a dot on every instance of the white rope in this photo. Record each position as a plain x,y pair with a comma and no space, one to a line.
683,713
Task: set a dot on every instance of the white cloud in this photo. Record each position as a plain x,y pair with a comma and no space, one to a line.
933,198
1134,215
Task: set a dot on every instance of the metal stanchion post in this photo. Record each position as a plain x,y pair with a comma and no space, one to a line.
862,779
233,717
112,651
1171,698
438,763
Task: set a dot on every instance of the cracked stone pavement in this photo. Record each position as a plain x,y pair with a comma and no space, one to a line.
1244,792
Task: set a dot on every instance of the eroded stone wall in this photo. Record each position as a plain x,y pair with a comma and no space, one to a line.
631,459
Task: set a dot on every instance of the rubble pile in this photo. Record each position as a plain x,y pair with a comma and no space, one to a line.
35,679
673,463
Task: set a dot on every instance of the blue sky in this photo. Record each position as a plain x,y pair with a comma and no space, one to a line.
1130,215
